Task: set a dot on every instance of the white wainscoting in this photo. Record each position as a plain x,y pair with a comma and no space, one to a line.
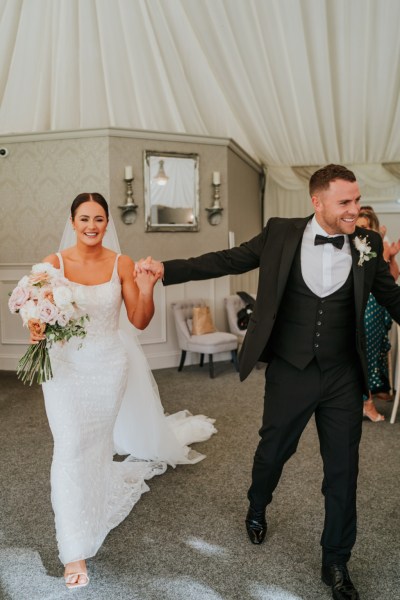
246,282
158,340
13,336
167,354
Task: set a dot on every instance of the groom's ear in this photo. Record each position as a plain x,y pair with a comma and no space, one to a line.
315,199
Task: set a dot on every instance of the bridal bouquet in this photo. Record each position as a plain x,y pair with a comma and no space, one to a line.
48,304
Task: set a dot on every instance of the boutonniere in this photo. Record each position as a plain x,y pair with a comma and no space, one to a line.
364,249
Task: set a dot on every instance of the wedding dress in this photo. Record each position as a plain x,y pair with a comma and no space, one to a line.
103,398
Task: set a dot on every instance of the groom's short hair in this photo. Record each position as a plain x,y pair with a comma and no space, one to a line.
321,179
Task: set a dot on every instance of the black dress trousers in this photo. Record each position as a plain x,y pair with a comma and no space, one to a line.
291,397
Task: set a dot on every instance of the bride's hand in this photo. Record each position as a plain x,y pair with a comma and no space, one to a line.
145,280
149,264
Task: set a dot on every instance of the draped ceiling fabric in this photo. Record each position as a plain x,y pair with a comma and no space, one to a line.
294,82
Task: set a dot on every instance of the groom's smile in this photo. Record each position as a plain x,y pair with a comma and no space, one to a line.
337,208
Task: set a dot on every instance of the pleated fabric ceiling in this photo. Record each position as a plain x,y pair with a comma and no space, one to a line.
294,82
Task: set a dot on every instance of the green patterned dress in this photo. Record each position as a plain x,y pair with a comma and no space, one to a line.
377,325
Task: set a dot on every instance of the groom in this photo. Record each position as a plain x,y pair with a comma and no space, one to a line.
315,277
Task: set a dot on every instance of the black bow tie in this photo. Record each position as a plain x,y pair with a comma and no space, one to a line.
337,241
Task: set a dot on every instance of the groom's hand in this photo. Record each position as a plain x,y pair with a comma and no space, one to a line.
149,264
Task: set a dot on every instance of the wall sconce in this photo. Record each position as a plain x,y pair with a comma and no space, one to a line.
129,208
214,216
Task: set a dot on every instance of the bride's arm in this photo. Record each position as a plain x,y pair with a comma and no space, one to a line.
137,292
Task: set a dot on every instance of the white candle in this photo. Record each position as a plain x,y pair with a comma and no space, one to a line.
128,173
216,178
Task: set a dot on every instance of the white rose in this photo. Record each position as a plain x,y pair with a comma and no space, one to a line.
24,282
62,297
29,311
45,268
362,245
64,318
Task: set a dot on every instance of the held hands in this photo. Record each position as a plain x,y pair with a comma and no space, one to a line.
146,275
150,266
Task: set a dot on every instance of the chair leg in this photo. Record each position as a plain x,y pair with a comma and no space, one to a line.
235,359
183,356
397,380
395,407
390,372
201,360
211,365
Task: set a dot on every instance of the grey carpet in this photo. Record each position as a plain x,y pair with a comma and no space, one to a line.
185,539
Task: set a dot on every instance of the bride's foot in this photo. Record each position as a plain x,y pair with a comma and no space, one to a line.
370,412
75,574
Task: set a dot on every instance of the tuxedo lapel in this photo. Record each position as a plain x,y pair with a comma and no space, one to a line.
291,241
358,277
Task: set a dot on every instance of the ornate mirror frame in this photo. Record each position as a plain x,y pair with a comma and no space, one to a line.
171,191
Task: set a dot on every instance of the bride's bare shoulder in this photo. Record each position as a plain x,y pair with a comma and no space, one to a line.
53,260
125,267
126,260
107,253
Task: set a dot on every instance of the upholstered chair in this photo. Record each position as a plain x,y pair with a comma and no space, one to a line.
207,343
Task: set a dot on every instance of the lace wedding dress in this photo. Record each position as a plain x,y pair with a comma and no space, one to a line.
103,399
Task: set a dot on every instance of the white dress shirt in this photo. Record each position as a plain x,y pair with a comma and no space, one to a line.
325,268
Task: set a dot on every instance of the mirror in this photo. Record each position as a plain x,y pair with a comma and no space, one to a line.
171,191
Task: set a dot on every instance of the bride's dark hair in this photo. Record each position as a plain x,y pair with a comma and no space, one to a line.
86,197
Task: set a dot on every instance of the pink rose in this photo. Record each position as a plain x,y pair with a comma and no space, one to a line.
18,298
48,295
39,278
48,313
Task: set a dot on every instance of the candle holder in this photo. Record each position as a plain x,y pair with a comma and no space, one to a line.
129,209
214,216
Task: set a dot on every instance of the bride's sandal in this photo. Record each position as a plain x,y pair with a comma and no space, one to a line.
82,580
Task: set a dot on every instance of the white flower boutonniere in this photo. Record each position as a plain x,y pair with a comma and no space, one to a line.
364,249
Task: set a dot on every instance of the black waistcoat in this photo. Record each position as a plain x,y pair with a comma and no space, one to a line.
308,326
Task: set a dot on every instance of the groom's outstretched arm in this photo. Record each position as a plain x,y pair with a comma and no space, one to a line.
213,264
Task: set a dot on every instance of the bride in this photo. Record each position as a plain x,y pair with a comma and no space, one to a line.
103,399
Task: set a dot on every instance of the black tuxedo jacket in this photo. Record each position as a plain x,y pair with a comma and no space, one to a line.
273,251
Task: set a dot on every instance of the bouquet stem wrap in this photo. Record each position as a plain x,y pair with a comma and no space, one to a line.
35,363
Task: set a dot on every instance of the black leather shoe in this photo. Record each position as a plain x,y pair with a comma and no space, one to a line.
338,578
256,526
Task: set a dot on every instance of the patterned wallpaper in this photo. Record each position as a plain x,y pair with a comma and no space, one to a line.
44,172
40,178
38,181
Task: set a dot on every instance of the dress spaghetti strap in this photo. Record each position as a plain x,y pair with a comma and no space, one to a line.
58,254
115,270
